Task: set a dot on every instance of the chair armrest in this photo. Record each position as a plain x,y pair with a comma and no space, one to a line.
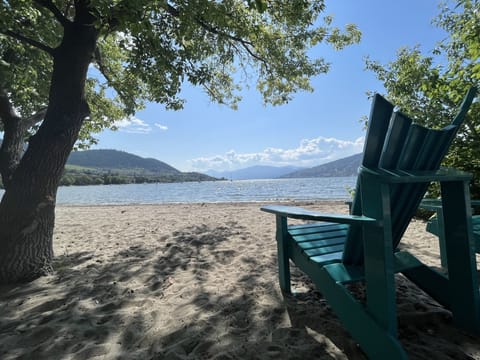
436,204
414,176
304,214
475,203
431,204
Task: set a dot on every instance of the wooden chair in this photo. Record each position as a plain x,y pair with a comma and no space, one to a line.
400,159
435,225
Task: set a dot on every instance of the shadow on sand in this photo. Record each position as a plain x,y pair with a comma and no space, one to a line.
196,294
135,305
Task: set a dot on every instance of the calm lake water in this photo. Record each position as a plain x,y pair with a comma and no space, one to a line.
209,191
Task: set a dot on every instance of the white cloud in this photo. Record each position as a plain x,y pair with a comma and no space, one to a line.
161,127
133,125
310,152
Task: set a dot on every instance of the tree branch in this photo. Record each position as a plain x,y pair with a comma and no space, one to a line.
11,148
7,111
29,41
49,5
245,44
172,11
35,118
104,72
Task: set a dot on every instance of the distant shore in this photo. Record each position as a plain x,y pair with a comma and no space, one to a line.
196,281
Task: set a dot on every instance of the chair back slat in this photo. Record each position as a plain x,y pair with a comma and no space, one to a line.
393,142
412,146
377,130
406,198
375,138
467,101
398,131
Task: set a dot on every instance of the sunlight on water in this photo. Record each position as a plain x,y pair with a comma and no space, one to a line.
211,191
208,191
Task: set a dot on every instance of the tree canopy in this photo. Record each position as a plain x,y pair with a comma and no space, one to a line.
430,88
72,68
148,49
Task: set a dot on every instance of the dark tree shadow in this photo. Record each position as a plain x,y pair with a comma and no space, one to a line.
175,300
93,308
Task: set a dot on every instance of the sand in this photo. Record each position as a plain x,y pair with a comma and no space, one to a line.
196,281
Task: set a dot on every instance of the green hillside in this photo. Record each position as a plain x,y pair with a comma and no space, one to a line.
114,159
96,167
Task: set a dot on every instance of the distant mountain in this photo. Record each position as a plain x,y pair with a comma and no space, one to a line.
254,172
343,167
114,159
95,167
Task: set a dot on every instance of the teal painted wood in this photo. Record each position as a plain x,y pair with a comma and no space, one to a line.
378,125
441,235
380,114
460,293
315,227
304,214
397,134
307,238
413,143
467,101
370,235
460,253
283,253
378,256
320,241
428,157
436,226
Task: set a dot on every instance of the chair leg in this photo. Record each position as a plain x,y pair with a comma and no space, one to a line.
283,258
459,246
441,238
375,340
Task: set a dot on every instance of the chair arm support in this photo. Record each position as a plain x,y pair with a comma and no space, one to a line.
304,214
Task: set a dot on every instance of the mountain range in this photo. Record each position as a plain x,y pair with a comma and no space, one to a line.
255,172
343,167
113,166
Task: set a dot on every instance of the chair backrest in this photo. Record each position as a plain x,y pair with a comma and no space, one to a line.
393,142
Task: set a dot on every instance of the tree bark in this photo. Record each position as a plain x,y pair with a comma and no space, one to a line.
27,209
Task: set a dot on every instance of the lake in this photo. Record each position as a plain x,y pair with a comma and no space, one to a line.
208,191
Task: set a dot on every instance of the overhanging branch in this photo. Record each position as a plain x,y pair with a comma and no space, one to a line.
247,45
49,5
104,71
28,41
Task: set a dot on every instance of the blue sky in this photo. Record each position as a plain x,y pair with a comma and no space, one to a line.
313,129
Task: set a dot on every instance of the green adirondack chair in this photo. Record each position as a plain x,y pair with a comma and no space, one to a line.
400,159
435,225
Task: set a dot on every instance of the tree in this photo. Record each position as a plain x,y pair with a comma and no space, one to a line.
60,62
430,88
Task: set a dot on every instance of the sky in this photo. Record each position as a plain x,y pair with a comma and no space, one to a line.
312,129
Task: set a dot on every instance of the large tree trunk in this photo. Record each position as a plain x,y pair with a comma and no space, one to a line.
27,209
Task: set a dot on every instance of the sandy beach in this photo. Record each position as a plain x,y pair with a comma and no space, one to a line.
196,281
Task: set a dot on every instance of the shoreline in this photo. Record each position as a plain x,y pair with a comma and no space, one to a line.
313,202
196,281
